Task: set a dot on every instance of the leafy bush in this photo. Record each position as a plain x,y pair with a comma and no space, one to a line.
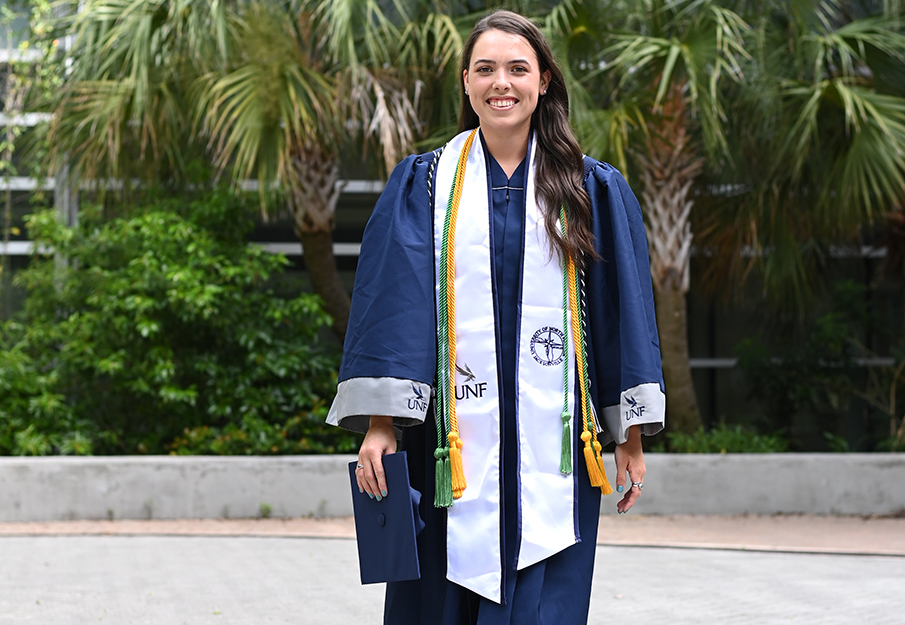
823,378
722,439
159,333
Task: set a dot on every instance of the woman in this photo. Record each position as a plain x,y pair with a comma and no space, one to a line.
508,277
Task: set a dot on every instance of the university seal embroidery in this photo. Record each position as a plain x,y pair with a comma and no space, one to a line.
547,346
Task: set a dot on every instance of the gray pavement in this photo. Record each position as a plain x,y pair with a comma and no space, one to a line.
201,580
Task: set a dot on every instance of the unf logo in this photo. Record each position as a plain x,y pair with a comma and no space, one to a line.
418,402
634,410
465,390
547,346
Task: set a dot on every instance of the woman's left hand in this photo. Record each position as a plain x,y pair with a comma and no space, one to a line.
630,461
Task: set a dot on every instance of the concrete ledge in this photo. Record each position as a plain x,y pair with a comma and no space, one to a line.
772,484
198,487
172,487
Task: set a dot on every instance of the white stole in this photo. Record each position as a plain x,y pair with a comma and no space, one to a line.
546,497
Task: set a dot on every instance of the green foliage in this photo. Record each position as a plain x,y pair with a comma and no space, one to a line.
816,135
824,374
158,332
722,439
836,443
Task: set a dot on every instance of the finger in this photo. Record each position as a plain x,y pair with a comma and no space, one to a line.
628,501
370,482
636,471
362,474
358,479
621,466
376,477
636,475
380,479
367,479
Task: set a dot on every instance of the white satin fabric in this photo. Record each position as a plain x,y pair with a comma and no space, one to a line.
547,510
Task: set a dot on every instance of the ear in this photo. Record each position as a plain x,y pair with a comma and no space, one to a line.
545,81
465,80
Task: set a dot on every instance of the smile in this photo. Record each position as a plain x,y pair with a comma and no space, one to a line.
502,103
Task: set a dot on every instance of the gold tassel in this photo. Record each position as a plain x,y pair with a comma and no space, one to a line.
456,467
590,460
605,487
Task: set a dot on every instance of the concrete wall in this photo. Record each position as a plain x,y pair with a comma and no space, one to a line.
773,484
167,487
172,487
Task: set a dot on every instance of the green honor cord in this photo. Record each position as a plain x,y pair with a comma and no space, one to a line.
565,458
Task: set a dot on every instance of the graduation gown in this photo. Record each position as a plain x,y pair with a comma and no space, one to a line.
389,368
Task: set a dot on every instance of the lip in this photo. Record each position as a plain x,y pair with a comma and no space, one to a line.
502,104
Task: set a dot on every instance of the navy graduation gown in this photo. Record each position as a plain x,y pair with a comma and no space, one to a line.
392,336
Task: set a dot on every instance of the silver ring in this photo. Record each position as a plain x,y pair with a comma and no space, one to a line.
361,466
640,485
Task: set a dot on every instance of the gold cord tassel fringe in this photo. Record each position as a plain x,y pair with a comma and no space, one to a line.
590,460
455,465
605,488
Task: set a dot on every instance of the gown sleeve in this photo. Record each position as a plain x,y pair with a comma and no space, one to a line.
389,354
622,327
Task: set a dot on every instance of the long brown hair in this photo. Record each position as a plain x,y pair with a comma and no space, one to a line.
560,163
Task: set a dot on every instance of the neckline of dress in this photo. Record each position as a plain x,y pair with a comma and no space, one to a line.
518,172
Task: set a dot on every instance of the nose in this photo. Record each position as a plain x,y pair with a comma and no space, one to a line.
501,81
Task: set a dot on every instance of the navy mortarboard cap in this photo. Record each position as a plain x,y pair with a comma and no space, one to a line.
386,530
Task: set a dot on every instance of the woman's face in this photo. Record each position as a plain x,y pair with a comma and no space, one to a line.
503,82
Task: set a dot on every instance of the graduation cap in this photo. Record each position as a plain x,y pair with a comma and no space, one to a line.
386,530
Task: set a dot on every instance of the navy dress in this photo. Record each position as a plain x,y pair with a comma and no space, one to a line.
555,591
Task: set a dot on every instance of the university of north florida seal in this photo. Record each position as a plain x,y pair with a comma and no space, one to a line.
547,346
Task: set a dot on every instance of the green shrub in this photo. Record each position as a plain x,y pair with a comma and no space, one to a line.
720,440
821,382
159,333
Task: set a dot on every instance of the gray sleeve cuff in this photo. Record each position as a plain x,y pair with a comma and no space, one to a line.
357,399
643,405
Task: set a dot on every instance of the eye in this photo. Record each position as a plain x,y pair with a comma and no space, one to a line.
519,69
484,70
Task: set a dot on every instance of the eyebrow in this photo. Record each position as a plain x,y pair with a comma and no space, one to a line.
492,62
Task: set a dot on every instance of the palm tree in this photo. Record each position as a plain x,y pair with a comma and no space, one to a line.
817,142
648,97
257,125
273,90
121,112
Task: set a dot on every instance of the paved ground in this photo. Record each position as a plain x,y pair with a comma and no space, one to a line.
745,570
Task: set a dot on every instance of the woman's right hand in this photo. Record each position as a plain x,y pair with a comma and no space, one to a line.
379,440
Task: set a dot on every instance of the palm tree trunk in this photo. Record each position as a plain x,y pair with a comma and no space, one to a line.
317,248
669,168
683,414
315,192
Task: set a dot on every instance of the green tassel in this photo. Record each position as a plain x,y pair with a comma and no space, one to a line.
447,482
565,458
443,496
438,478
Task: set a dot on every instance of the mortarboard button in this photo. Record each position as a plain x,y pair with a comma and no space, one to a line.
381,519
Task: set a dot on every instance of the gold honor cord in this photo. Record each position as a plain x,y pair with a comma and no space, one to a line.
453,478
592,446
